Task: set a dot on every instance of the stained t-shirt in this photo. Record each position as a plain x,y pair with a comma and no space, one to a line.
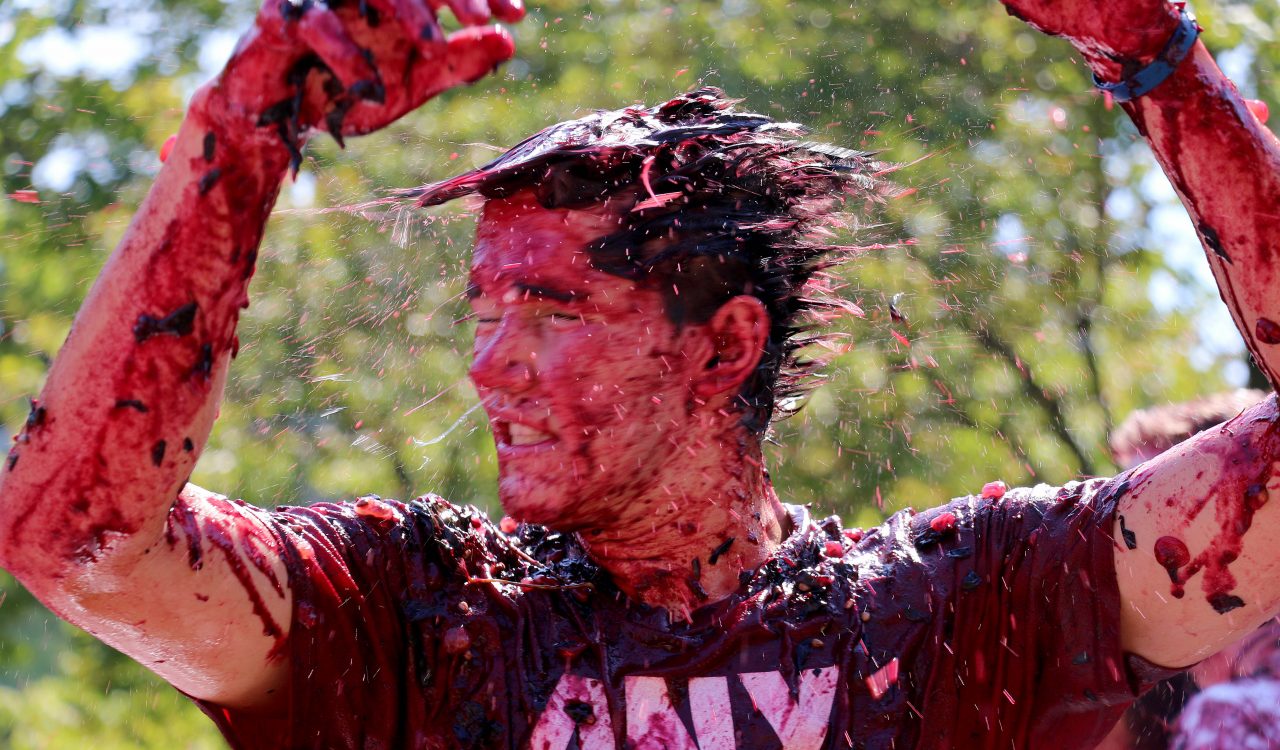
987,623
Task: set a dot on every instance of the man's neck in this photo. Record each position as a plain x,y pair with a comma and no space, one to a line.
718,517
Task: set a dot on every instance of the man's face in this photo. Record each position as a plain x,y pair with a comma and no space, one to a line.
582,374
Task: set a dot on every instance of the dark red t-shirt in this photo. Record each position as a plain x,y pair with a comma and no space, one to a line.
412,629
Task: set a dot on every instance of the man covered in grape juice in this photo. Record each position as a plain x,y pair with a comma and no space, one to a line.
641,281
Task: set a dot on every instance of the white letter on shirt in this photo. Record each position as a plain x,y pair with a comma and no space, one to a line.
712,716
652,723
803,725
555,727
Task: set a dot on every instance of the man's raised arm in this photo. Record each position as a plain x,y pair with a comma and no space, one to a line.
91,516
1198,542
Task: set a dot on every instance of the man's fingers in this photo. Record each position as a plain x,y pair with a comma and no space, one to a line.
470,54
465,56
469,12
418,22
507,10
322,32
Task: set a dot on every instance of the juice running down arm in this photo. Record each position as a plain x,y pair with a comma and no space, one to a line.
1197,542
96,518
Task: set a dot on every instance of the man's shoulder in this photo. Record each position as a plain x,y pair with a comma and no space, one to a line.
973,531
996,502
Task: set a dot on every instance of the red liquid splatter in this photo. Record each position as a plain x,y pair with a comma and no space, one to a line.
1267,331
1259,109
1171,552
373,507
994,490
223,524
1239,495
943,522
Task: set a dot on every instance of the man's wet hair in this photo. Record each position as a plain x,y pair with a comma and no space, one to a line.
714,203
1157,429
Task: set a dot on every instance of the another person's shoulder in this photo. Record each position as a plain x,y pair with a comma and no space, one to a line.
997,509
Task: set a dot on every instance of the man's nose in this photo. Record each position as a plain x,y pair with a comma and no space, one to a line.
506,359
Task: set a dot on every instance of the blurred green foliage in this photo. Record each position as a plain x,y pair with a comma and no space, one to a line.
1023,280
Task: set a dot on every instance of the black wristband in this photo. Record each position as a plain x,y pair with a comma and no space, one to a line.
1159,69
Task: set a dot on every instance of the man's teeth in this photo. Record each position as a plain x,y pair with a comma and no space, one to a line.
522,435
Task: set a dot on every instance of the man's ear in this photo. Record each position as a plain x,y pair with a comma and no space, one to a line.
736,333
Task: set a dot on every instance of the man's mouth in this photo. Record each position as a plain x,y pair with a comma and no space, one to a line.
518,434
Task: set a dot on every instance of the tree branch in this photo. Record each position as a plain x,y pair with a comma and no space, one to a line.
1004,431
1084,326
1051,406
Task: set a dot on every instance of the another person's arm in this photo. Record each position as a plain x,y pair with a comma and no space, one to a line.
1198,551
94,517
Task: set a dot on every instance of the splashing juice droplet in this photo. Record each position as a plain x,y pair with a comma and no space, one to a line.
1259,109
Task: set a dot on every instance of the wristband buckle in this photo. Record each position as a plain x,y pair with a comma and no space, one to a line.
1154,73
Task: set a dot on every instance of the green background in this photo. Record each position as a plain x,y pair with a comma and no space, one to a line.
1031,244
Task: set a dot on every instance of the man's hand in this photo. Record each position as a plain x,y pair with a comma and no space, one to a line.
1109,33
355,66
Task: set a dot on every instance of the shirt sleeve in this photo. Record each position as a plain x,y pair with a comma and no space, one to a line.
357,572
1028,647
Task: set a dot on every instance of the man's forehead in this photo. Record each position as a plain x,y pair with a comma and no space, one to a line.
510,220
557,269
534,262
520,287
517,240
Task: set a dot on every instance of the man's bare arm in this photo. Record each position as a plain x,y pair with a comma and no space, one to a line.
91,516
1207,500
1198,543
1198,558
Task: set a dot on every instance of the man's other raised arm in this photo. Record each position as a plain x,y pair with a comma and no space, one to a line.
94,517
1198,542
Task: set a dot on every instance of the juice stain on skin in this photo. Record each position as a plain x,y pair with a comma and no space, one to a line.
1267,331
223,525
180,322
1239,496
1171,553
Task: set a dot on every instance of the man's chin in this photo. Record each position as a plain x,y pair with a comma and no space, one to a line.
543,503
